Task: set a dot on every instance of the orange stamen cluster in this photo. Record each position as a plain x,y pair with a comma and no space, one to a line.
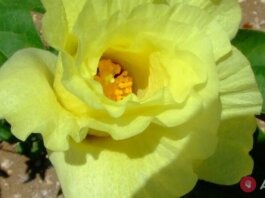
115,81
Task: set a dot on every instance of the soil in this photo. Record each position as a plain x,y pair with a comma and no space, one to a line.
253,14
16,181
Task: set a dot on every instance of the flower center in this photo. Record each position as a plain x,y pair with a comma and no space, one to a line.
115,81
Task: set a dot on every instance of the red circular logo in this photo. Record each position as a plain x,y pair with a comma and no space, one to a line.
248,184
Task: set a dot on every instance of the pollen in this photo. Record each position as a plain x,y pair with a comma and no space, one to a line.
115,81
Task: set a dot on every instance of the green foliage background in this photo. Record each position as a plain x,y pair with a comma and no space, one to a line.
17,29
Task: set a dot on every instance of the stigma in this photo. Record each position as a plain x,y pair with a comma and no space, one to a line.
115,81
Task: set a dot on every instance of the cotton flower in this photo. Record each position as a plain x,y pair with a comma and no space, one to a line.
144,98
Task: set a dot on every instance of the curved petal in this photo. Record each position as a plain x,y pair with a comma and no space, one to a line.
157,162
59,33
55,31
105,168
231,160
28,102
68,9
98,113
238,88
188,14
137,117
241,100
141,18
225,12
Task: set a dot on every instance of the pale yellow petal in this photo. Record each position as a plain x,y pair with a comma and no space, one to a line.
189,15
100,111
158,162
28,101
54,23
225,12
97,29
101,167
231,160
241,100
238,88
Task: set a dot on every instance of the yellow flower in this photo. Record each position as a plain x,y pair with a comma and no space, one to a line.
144,98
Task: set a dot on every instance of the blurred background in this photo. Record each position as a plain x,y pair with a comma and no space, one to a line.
253,14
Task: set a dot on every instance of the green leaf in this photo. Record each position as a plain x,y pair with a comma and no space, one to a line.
261,137
35,147
5,134
19,148
252,44
32,5
16,23
2,58
17,29
11,42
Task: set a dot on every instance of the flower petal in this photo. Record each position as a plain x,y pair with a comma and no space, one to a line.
68,9
225,12
140,20
102,167
55,31
59,33
28,102
157,162
231,160
241,100
239,92
97,112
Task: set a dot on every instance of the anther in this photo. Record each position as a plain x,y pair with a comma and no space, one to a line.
115,81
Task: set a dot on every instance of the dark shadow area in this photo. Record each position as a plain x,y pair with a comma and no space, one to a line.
33,148
148,141
3,173
78,151
60,192
37,167
261,116
5,133
38,162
